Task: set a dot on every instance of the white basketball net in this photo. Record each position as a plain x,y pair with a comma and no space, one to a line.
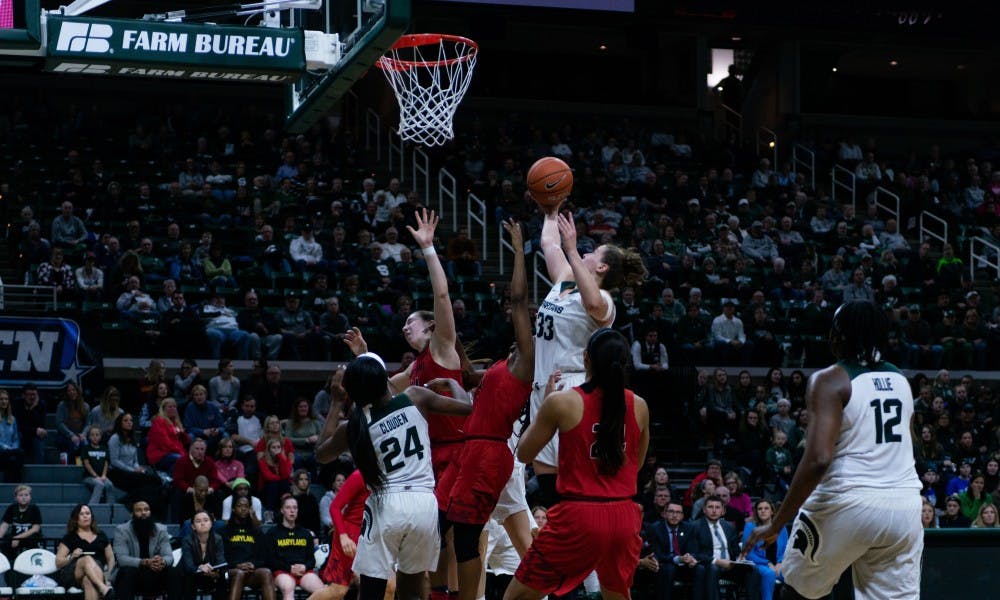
429,74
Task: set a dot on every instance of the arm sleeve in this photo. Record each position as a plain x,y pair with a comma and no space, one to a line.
188,565
164,546
637,357
61,420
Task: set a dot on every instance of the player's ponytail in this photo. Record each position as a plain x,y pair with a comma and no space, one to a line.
609,361
365,382
625,267
859,329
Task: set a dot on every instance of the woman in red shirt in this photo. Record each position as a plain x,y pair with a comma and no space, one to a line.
167,440
273,477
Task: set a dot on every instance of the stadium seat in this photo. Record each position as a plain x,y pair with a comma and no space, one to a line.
37,561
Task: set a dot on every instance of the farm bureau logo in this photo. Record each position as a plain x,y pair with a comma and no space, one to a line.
40,351
85,37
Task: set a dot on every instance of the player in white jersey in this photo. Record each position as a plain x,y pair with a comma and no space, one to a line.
855,491
577,305
388,437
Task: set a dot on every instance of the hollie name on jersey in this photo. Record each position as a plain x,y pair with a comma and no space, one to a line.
882,384
393,422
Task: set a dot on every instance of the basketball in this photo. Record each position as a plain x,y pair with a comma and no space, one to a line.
550,180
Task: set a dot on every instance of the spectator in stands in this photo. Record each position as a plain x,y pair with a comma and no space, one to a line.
222,329
274,472
987,517
185,379
713,471
11,455
303,429
90,279
292,560
462,256
167,439
307,253
759,247
106,412
246,552
203,419
83,555
20,528
30,416
661,498
229,466
224,386
766,558
308,504
68,230
201,498
391,248
466,326
974,496
919,339
145,560
667,535
203,559
265,341
193,464
717,408
714,544
151,408
217,269
974,331
57,274
275,396
760,178
953,517
693,336
649,354
180,327
71,418
94,458
779,461
271,252
729,340
300,338
246,430
123,453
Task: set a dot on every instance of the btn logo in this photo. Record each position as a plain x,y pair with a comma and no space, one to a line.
85,37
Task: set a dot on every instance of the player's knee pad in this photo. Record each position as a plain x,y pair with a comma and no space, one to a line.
467,541
444,525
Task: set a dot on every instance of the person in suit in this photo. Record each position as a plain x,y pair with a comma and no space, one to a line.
715,545
669,535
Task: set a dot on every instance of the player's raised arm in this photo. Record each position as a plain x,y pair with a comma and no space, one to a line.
524,365
442,344
596,304
555,261
428,400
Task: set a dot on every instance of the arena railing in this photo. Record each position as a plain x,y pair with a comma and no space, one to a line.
989,257
732,121
447,192
807,160
928,218
845,176
420,167
476,213
373,131
881,192
397,155
28,298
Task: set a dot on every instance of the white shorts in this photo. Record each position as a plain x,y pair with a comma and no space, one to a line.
501,557
878,533
512,499
400,531
550,453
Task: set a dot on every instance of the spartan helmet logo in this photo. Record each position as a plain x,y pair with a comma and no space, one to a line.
36,559
806,537
366,523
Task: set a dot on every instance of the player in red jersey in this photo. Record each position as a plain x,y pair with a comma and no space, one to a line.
468,491
603,436
346,510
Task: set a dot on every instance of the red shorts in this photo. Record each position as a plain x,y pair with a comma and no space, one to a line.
581,537
442,454
295,578
483,472
446,481
339,567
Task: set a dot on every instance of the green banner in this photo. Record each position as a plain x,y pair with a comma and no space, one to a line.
200,73
196,48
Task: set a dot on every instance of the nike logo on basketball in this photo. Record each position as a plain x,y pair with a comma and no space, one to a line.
551,184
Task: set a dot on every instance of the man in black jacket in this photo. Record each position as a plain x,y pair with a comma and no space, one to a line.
30,416
715,545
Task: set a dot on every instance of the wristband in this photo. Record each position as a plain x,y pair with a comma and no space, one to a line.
428,251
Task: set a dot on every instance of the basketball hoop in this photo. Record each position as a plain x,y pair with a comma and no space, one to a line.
429,73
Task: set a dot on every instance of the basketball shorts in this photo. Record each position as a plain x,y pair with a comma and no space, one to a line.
400,530
484,470
339,567
446,481
442,454
513,498
581,537
875,531
550,453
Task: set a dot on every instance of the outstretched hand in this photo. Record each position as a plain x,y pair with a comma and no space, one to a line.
765,533
516,234
355,341
427,222
567,232
553,385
